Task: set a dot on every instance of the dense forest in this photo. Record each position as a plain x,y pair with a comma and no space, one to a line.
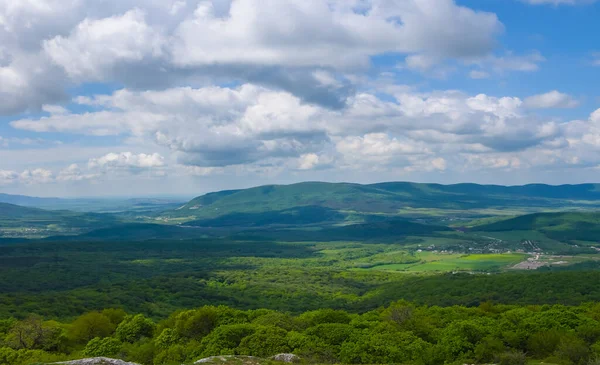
155,278
400,333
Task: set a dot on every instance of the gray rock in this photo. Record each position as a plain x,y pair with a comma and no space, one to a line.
224,358
97,361
286,358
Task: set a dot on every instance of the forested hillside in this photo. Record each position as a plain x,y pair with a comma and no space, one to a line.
400,333
388,198
572,226
66,279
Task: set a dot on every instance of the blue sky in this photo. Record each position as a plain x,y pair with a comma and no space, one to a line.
563,34
188,96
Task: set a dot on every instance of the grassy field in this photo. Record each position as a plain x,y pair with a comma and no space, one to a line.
434,262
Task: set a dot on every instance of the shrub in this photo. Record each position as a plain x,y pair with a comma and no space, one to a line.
573,350
511,358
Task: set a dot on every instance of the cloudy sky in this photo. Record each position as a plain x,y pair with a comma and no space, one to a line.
181,97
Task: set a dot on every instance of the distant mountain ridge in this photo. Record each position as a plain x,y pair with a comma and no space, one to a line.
108,205
13,211
387,198
28,201
17,221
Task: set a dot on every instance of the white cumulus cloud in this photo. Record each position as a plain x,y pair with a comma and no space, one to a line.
47,47
551,99
127,160
96,47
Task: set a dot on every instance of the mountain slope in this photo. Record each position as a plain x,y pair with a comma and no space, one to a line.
303,215
388,198
559,226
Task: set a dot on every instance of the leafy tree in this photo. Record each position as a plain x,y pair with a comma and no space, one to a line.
383,348
8,355
167,338
543,344
556,317
277,319
196,323
574,350
116,315
33,333
228,315
106,347
134,328
459,338
399,312
225,339
175,354
91,325
6,325
320,316
595,349
488,349
141,352
589,331
311,348
265,342
333,334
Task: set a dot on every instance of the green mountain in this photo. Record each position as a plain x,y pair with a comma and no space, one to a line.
388,198
302,215
559,226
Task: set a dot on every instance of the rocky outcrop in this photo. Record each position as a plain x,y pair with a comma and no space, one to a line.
237,359
97,361
247,360
290,358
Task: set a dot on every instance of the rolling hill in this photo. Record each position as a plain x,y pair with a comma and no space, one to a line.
580,226
389,198
18,221
303,215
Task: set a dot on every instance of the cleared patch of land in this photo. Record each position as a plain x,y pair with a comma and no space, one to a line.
439,262
536,261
